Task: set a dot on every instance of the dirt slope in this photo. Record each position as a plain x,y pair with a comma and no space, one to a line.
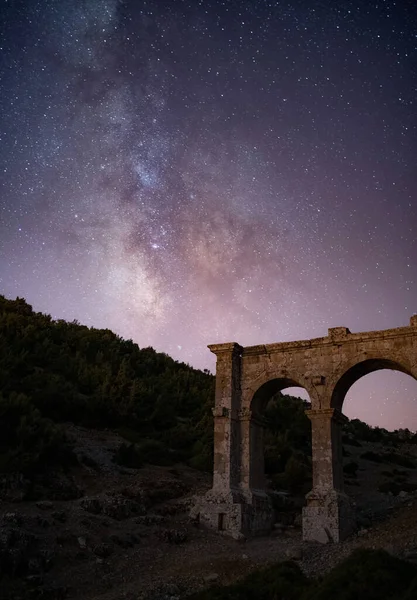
106,532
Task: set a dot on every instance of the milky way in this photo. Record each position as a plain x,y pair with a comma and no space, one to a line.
188,172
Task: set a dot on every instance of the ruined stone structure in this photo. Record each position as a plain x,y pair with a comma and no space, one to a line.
246,378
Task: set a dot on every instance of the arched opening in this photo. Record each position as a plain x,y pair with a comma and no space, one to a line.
379,397
280,446
386,399
360,370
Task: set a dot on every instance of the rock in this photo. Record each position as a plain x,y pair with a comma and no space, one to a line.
82,542
34,565
59,515
17,547
298,520
161,490
210,577
45,505
403,494
171,509
174,536
410,554
56,486
238,536
103,550
42,522
285,518
115,507
364,522
150,520
47,558
167,591
14,487
34,580
12,518
119,508
125,541
362,532
91,505
294,554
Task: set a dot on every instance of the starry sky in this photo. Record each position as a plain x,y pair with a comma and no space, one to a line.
193,172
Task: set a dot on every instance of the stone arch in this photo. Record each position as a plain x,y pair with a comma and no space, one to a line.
253,404
264,387
326,368
358,368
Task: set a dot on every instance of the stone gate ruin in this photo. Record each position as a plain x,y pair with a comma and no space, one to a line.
246,378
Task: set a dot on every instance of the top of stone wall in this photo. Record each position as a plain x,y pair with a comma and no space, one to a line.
336,335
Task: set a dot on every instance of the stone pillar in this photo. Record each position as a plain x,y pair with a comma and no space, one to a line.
223,507
252,467
237,504
258,513
327,516
225,413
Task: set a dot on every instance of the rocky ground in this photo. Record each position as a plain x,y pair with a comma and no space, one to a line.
107,532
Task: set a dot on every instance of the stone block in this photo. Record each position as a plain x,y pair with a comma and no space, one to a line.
328,517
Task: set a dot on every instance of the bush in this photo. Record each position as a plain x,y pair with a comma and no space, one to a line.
351,468
296,474
128,455
398,459
392,487
351,441
411,593
202,462
29,443
156,453
365,575
372,456
282,581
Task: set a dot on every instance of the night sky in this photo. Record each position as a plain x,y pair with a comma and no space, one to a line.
195,172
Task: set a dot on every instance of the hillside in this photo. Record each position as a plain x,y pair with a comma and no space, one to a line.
103,446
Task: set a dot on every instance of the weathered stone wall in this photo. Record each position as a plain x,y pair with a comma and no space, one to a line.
246,378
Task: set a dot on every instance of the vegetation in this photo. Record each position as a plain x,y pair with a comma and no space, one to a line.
52,372
364,575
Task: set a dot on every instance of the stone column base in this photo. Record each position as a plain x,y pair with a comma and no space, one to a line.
236,514
328,517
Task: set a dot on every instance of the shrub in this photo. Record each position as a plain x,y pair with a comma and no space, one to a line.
365,575
350,441
29,442
388,473
156,453
202,462
369,455
128,455
296,474
282,581
392,487
398,459
351,468
411,593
